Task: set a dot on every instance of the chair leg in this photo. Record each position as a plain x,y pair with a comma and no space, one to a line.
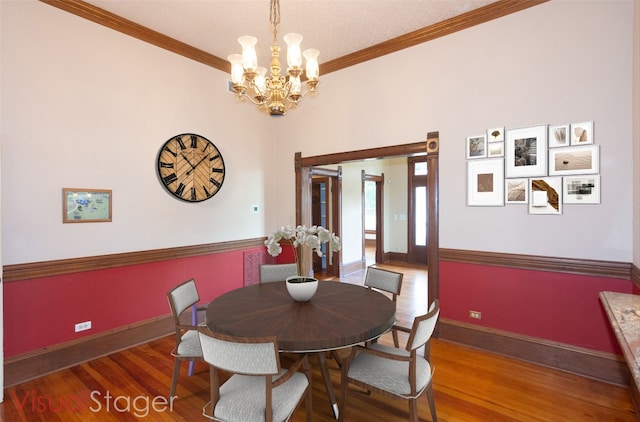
413,410
194,322
432,404
174,379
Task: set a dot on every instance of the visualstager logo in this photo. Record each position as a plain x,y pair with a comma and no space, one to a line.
94,401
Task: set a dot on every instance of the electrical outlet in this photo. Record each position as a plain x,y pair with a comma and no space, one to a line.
83,326
475,314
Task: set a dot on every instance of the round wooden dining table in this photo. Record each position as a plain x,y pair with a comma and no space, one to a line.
339,315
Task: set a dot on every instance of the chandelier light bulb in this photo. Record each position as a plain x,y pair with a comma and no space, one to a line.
249,57
296,86
260,80
236,68
294,58
313,69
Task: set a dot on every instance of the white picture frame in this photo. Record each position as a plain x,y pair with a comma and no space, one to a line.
495,149
574,160
526,152
495,134
581,189
545,195
485,182
516,191
476,147
559,136
582,133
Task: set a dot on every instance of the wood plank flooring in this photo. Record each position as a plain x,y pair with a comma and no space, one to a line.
470,385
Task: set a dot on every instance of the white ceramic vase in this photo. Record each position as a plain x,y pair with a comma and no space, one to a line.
301,288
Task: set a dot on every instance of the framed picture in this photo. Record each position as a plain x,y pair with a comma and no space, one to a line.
86,205
582,133
485,182
495,135
559,136
516,191
495,149
545,195
574,160
526,152
476,146
581,189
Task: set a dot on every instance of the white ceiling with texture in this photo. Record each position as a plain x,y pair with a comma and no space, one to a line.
335,27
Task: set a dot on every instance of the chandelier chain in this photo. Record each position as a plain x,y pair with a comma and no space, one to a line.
274,18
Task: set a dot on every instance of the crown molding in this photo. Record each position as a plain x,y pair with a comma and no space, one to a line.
466,20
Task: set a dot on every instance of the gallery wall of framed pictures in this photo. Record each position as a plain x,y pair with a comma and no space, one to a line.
542,166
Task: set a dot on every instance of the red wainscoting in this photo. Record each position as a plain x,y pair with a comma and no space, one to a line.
43,312
554,306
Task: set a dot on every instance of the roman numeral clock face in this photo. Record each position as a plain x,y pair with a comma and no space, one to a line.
190,167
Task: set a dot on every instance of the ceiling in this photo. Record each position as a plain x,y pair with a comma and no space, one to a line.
339,29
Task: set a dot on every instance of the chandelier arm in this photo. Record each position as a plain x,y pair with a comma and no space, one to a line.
244,95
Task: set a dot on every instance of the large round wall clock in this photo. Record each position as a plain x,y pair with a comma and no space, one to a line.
190,167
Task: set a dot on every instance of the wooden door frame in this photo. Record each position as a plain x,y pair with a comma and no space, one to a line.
379,181
303,169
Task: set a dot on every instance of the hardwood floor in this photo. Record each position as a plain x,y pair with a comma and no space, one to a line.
470,385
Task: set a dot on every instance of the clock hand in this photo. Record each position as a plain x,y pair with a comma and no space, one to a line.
187,160
194,167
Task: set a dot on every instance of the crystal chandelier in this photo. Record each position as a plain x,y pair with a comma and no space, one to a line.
276,93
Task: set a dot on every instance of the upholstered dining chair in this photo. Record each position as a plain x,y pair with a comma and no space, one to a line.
398,373
258,389
277,272
385,281
182,299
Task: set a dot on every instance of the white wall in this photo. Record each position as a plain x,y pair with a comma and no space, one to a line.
395,205
636,134
1,273
559,62
84,106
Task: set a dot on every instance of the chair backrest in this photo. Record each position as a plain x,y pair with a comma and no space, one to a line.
240,355
182,297
423,327
277,272
385,280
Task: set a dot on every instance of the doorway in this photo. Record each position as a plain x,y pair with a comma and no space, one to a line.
325,211
305,166
373,218
418,211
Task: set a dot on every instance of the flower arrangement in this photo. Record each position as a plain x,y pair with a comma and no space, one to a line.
302,238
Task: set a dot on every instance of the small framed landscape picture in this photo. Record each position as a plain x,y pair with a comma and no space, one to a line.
545,195
495,135
582,133
559,136
526,152
476,146
574,160
516,191
485,182
495,149
582,189
86,205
